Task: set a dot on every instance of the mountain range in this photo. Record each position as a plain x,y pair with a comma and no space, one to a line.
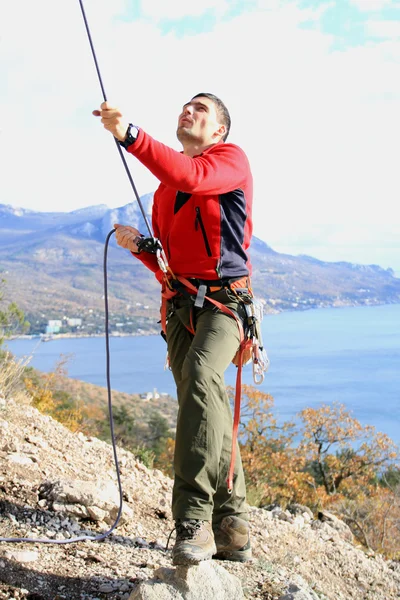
53,265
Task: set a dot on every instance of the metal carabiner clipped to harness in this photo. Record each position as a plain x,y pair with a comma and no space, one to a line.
260,362
259,357
162,261
152,245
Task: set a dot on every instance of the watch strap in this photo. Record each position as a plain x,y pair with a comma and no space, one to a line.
131,136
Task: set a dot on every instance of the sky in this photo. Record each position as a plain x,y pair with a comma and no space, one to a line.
312,86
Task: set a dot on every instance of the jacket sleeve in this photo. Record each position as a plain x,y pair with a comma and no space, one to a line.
218,170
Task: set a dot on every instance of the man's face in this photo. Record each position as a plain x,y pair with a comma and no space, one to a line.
199,122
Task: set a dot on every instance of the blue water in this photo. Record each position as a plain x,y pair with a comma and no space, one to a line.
349,355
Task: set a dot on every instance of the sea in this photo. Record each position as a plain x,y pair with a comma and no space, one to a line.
347,355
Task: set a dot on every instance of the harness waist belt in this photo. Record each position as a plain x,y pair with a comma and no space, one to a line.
232,284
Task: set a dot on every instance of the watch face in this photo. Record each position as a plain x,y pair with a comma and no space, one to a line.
131,135
133,131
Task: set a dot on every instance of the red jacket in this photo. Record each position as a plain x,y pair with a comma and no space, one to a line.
201,209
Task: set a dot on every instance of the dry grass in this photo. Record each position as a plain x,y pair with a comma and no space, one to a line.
11,376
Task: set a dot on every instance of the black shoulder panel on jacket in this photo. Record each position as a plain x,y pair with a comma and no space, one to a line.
181,199
233,219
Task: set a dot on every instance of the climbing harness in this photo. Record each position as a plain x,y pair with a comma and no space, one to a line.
250,343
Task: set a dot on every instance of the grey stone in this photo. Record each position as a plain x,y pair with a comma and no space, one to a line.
37,441
22,556
284,516
85,500
299,509
106,588
296,593
140,542
49,533
202,582
337,524
11,517
19,459
9,446
96,514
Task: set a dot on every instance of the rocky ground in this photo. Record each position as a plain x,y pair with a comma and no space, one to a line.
56,485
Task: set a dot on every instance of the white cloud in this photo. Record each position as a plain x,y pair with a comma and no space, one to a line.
373,5
383,29
321,128
176,9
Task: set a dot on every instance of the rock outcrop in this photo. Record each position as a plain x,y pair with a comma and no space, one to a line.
206,581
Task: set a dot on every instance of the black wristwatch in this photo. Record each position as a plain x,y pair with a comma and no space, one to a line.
131,136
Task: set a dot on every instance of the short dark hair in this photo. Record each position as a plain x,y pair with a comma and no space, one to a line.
222,111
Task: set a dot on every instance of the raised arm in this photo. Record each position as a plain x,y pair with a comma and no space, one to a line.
219,169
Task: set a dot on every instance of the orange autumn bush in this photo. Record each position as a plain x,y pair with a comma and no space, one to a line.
327,459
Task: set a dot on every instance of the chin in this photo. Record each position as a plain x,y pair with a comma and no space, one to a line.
182,133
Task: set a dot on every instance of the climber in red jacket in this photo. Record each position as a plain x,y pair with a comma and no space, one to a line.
202,217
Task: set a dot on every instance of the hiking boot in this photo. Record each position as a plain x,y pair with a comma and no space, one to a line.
232,539
194,542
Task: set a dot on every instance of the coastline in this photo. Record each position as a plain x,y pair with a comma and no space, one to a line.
59,336
152,332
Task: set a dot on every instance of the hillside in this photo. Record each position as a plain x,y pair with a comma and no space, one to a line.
131,411
142,409
53,265
56,485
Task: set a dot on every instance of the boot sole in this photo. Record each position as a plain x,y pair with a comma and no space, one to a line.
234,555
192,559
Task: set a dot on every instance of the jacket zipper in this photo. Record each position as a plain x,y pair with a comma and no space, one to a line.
199,221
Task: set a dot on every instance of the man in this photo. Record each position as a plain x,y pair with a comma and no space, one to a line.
202,216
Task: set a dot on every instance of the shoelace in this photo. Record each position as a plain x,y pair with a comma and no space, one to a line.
185,530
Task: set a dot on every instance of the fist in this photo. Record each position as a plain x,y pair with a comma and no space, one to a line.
127,237
113,120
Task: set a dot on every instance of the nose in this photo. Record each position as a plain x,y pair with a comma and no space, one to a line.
188,110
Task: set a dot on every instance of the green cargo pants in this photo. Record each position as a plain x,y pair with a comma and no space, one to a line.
204,425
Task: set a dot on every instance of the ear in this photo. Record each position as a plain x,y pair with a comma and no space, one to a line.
220,131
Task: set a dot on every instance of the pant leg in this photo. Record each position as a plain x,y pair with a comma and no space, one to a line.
179,338
226,504
204,426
